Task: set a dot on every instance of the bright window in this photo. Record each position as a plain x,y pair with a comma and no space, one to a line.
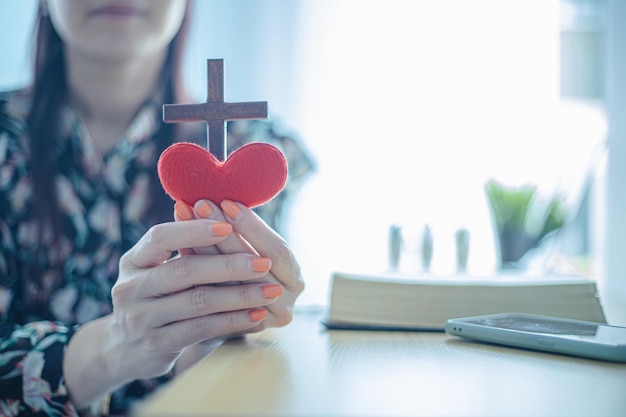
410,107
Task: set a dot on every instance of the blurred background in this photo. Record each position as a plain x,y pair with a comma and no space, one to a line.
410,108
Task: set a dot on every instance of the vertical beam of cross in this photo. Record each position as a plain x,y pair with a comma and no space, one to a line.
215,111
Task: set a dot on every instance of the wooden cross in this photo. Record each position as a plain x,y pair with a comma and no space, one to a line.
215,111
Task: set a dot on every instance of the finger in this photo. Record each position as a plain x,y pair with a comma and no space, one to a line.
185,272
266,241
185,333
183,251
203,209
204,300
183,211
160,241
233,243
205,250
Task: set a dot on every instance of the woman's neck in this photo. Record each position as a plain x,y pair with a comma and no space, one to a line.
108,94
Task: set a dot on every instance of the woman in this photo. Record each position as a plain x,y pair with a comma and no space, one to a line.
94,305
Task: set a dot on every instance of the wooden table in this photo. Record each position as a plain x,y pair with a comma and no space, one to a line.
306,370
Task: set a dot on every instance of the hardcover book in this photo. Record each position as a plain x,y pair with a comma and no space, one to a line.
394,302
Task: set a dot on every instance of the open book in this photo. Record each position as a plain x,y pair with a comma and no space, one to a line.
425,303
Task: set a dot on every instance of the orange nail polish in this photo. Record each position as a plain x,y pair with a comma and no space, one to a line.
272,291
258,315
221,229
183,210
231,209
261,264
204,209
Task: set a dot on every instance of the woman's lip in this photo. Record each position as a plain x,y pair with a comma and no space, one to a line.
117,10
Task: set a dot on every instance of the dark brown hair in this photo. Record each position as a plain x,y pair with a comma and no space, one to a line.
49,93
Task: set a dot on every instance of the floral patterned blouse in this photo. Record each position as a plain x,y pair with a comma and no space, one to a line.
104,201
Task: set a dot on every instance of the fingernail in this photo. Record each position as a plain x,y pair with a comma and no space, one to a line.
221,229
258,315
183,210
272,291
261,264
231,209
203,208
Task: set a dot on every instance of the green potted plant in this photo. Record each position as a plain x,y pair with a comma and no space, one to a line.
522,219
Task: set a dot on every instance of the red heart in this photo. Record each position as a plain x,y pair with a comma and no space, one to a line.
252,175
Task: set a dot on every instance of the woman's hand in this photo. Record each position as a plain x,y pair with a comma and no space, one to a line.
252,236
162,304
